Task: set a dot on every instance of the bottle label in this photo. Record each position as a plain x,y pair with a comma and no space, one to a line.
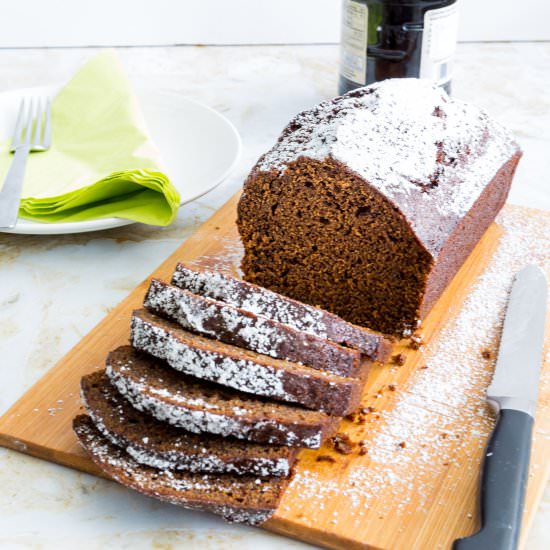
439,43
353,50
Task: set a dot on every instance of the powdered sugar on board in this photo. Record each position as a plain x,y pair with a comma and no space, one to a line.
228,259
430,424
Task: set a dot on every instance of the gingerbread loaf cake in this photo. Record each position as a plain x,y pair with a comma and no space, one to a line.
262,301
165,447
242,499
247,330
245,370
201,407
369,203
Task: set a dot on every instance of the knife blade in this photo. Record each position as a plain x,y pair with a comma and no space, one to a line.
513,395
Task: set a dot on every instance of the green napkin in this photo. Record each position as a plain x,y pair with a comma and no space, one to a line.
102,162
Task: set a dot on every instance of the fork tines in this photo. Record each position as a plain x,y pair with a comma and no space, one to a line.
33,126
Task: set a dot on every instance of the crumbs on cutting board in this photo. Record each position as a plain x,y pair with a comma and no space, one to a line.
441,411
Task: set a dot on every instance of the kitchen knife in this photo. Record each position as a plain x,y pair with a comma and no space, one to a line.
513,395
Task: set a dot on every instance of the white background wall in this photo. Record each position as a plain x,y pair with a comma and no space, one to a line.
27,23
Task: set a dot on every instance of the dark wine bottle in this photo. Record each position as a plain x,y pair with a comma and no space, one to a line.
397,39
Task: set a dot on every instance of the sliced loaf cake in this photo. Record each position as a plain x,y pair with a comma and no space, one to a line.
369,203
269,304
163,446
243,499
197,406
245,370
244,329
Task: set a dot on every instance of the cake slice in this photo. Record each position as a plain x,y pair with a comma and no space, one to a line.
247,330
269,304
165,447
245,370
243,499
152,386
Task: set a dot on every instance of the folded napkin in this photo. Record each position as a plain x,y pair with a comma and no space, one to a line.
102,162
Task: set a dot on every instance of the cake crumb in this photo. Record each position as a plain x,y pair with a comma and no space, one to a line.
399,359
363,450
342,443
486,354
392,387
416,341
402,445
325,458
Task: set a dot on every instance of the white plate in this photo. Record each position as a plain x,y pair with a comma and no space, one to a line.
199,148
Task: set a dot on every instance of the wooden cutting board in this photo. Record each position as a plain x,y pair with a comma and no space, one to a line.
415,486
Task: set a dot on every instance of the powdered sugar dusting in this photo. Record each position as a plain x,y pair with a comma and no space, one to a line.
182,452
262,467
441,412
407,139
194,461
202,315
257,300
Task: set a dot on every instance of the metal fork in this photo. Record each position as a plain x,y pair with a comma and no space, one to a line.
33,132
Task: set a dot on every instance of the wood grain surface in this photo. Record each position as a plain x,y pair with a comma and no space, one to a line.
441,503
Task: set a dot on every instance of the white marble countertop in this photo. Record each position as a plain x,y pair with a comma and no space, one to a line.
55,289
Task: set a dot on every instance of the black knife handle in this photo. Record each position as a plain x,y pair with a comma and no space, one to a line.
503,483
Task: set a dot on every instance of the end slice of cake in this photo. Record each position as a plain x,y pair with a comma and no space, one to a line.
242,499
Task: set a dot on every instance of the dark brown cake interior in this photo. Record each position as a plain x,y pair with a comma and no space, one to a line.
292,225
